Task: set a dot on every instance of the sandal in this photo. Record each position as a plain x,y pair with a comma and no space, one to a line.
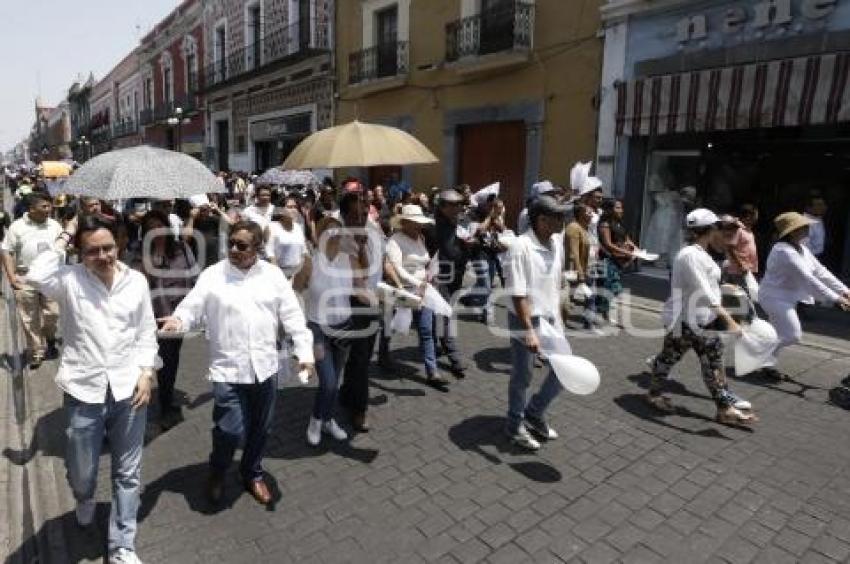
734,416
661,403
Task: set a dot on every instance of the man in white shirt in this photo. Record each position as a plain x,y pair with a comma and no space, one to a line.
534,265
106,370
26,238
815,212
262,210
243,302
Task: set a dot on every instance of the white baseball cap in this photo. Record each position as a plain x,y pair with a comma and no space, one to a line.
542,187
701,217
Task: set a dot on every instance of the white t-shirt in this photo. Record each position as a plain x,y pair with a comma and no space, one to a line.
27,239
533,270
329,290
410,259
287,247
258,215
695,289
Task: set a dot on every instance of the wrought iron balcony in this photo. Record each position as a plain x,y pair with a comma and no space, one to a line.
382,61
509,27
124,128
296,41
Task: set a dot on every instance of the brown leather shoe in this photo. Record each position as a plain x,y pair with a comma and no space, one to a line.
359,423
259,490
215,488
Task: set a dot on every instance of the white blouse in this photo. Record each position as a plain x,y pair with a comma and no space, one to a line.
410,259
793,276
287,247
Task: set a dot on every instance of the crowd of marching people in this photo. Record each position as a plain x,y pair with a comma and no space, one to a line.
310,280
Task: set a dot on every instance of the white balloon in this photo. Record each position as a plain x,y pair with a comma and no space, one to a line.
552,339
576,374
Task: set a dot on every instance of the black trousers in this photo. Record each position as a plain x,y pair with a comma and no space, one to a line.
354,392
169,352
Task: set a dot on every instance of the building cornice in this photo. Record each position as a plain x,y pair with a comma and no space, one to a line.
617,10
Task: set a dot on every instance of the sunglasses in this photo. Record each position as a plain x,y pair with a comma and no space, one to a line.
241,246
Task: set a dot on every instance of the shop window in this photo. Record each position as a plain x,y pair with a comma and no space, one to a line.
670,189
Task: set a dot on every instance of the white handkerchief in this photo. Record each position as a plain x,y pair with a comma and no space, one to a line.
435,302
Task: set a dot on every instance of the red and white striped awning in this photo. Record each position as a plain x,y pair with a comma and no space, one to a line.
782,93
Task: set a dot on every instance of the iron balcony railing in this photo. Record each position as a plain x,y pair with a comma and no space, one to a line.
298,40
124,128
187,104
508,27
382,61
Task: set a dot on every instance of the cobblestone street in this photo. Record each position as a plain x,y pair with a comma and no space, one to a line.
435,480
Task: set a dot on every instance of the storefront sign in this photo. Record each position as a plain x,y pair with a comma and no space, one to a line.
761,17
277,128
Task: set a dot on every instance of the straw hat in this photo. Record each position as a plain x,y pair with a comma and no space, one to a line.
790,221
411,212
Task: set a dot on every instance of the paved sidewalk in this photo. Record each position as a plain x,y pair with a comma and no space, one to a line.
436,481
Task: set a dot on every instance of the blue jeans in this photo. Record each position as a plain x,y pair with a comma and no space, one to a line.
242,412
521,368
480,291
329,366
124,426
424,321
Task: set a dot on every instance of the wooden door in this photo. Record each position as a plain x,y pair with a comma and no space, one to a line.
494,152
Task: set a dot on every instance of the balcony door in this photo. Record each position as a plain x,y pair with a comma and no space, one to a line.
304,24
497,25
387,41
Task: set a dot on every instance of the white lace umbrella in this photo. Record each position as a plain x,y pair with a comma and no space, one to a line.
142,172
282,177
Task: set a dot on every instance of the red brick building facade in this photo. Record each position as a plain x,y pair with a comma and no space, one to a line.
171,59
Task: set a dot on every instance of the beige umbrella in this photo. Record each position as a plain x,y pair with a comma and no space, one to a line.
359,144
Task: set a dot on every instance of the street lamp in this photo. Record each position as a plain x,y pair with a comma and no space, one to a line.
178,120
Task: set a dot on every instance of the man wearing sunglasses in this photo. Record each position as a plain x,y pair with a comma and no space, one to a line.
106,370
243,302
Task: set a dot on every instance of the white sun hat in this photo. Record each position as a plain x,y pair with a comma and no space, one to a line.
411,212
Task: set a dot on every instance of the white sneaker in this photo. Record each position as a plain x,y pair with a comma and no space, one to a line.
524,439
540,427
123,556
331,428
314,432
85,512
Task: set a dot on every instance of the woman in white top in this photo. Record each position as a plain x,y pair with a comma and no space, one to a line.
327,278
287,246
793,275
694,304
409,257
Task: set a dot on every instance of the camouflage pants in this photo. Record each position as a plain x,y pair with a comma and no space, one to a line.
709,349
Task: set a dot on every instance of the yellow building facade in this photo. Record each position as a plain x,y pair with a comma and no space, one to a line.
499,90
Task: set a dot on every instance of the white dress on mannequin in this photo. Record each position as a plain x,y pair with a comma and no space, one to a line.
664,231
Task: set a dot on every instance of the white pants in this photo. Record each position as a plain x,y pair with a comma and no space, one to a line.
783,316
